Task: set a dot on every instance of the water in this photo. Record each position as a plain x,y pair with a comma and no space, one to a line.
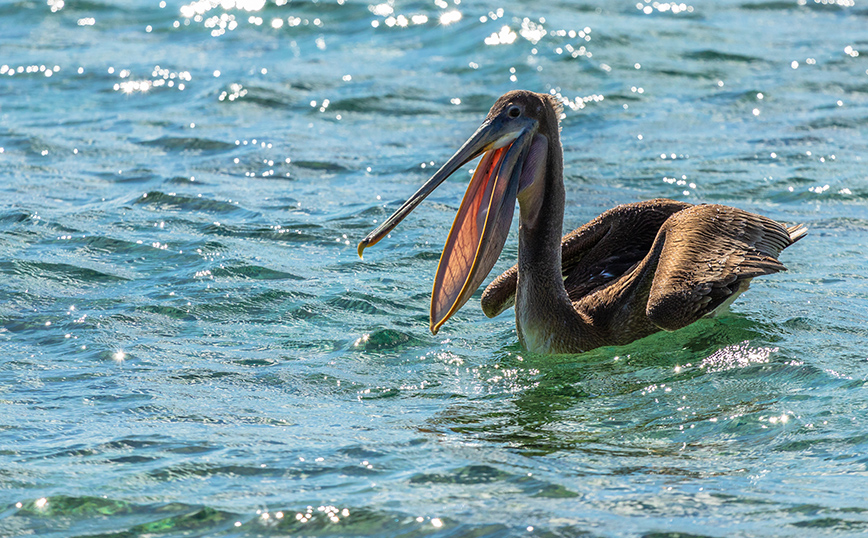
191,347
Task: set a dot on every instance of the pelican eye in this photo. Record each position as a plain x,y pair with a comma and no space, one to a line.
514,111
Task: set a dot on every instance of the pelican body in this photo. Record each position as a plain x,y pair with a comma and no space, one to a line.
632,271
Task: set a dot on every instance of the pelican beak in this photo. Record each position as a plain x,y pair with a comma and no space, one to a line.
485,215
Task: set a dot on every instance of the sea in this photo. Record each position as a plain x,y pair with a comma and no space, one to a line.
190,345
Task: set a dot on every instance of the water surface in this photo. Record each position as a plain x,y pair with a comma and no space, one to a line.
189,345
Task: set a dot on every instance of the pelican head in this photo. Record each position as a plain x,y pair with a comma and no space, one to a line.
513,141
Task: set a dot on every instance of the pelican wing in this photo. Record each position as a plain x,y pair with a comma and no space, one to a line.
706,255
595,254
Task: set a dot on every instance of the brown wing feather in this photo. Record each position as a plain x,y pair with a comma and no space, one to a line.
596,253
709,252
624,235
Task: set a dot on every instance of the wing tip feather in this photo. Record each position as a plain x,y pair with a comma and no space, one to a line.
797,232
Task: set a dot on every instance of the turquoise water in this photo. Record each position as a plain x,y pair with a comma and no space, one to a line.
189,345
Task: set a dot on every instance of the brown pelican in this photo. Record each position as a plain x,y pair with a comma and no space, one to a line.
632,271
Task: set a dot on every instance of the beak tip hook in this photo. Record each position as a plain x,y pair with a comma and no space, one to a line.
434,327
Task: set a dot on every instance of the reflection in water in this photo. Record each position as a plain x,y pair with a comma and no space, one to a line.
737,356
201,7
613,397
161,78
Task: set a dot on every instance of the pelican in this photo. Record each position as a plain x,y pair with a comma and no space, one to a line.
634,270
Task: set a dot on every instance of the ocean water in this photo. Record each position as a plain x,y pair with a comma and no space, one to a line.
190,346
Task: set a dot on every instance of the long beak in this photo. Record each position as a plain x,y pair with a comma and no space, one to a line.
484,139
484,217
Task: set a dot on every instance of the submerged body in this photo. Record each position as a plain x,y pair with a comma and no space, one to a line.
634,270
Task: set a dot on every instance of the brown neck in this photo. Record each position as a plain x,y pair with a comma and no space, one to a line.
544,312
542,216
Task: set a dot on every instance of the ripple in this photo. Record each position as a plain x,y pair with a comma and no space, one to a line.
204,145
473,474
259,95
168,311
833,123
393,105
770,6
384,339
357,302
11,217
321,166
711,55
833,523
161,201
265,307
253,272
59,272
